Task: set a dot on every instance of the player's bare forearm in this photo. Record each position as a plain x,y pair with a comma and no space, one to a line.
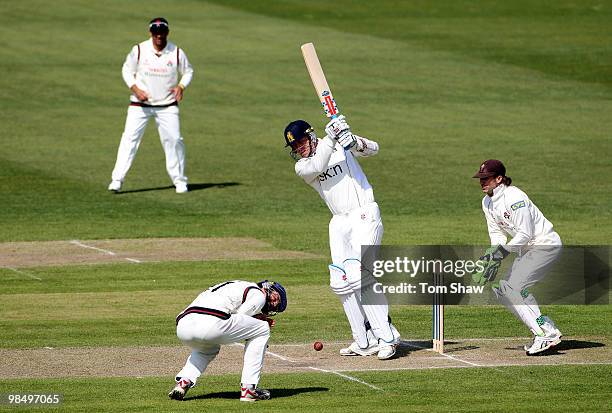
177,91
141,95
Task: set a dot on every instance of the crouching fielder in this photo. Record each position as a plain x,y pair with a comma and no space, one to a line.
228,313
510,212
329,165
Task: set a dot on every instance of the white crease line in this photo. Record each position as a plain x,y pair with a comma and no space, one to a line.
280,357
442,354
80,244
577,363
460,360
321,370
346,377
23,273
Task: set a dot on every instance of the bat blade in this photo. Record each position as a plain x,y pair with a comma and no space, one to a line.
319,81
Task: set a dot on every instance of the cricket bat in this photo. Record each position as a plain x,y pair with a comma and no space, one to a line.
319,81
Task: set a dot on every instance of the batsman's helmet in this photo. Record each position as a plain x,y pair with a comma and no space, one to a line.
268,287
295,132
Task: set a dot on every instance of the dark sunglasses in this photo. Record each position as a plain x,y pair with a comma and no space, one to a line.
158,28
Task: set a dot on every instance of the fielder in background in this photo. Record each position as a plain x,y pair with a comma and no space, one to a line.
335,174
510,212
227,313
151,71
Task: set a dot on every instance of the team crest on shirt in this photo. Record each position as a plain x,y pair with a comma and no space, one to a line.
507,215
169,64
363,216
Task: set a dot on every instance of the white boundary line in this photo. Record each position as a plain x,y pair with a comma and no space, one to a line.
108,252
22,273
337,373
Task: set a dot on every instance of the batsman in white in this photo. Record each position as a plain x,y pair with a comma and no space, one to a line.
229,312
335,174
510,212
151,71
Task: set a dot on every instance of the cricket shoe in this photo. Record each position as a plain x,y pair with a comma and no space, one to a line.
549,327
542,343
181,187
114,186
355,350
252,394
178,392
387,351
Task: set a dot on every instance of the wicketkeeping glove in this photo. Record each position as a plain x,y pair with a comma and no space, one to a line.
490,261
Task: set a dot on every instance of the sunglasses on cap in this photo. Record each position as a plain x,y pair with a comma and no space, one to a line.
158,27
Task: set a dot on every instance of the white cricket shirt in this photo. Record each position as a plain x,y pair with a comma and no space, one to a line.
336,175
233,297
156,72
510,212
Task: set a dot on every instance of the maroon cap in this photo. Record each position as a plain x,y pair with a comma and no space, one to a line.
491,167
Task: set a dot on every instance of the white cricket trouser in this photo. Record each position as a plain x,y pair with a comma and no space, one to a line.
526,271
168,126
347,233
204,334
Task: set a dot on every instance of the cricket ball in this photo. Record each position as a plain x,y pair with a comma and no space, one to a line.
318,346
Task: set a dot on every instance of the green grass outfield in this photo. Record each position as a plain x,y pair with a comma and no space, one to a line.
474,390
127,304
440,85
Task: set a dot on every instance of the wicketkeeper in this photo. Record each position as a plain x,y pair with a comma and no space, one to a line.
510,212
330,166
227,313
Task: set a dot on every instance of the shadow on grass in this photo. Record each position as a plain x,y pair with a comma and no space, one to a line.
563,346
275,393
191,187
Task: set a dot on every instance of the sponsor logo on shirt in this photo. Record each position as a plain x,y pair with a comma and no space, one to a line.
517,205
330,173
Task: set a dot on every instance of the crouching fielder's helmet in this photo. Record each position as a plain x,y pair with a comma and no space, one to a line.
269,287
295,134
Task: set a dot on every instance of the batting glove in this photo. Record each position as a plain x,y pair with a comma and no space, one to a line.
336,127
347,140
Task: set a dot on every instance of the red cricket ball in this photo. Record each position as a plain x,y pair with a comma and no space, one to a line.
318,346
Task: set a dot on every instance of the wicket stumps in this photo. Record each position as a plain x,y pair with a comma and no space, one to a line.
438,314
